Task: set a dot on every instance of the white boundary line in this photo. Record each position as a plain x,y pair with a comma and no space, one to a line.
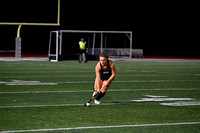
97,127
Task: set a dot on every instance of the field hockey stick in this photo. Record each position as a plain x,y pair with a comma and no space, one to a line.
91,98
95,96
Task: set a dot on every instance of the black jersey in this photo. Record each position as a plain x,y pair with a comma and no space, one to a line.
105,72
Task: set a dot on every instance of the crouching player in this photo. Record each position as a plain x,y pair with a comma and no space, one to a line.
105,73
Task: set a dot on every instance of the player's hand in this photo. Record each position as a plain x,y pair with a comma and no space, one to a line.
106,84
98,90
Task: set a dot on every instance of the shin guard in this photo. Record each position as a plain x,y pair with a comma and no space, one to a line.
100,95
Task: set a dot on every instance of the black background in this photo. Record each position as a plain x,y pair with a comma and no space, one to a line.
164,29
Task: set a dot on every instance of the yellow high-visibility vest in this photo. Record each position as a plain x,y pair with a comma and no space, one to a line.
82,45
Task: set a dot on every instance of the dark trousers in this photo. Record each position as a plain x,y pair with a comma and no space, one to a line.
82,56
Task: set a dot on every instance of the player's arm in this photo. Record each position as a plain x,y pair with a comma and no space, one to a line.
113,70
98,78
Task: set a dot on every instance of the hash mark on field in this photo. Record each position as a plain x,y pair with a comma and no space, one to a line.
181,101
162,99
97,127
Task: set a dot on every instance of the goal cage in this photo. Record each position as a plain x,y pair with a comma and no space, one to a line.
64,44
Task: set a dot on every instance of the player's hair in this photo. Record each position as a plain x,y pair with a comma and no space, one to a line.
104,54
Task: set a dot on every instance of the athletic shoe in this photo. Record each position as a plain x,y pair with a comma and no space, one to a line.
97,102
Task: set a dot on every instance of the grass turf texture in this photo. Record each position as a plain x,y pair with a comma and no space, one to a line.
133,81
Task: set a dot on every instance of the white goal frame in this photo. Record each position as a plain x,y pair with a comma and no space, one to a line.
59,40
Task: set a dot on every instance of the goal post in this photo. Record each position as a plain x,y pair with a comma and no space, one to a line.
19,24
98,39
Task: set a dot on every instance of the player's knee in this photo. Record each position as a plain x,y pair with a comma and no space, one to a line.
103,90
95,88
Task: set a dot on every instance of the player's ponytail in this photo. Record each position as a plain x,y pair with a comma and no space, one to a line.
104,54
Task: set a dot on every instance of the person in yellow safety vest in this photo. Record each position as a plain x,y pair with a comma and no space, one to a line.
82,56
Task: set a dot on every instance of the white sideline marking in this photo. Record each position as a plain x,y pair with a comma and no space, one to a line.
96,127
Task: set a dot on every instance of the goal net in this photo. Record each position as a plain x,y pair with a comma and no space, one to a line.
63,44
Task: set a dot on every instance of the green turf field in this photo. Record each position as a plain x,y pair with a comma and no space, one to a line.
144,97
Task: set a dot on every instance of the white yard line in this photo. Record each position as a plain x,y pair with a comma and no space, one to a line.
75,76
112,90
130,81
30,106
122,103
21,82
100,127
56,105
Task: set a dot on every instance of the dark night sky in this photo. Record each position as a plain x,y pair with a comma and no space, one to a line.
158,29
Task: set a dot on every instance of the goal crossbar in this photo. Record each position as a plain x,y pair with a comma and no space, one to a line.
87,31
